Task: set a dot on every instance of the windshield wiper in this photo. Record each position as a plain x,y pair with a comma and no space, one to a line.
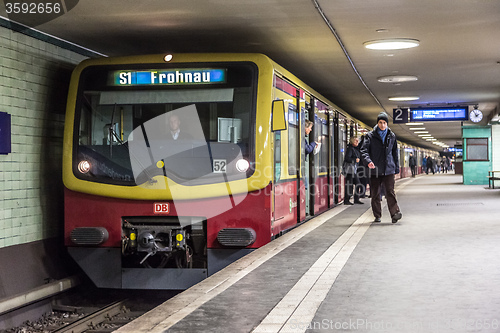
112,133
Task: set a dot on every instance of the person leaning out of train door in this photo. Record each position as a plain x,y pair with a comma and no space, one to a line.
350,165
413,164
380,152
309,147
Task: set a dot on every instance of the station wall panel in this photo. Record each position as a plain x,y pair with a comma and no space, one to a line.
34,79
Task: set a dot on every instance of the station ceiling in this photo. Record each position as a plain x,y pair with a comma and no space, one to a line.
321,42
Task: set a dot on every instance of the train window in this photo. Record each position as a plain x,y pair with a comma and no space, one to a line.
122,127
322,136
125,135
293,139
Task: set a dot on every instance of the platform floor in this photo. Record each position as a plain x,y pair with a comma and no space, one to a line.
436,270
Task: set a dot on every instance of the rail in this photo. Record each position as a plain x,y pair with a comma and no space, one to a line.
90,321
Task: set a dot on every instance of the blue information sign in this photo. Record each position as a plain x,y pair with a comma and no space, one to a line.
439,114
183,76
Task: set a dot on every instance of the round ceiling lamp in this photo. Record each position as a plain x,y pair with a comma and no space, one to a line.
397,78
392,44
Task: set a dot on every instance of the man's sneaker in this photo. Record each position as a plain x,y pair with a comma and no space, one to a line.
396,217
377,219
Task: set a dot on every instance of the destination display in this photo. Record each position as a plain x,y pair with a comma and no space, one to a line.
184,76
439,114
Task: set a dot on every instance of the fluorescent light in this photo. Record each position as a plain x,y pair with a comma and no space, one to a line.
417,128
397,78
391,44
420,132
403,98
414,124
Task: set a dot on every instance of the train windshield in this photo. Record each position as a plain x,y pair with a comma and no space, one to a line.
190,135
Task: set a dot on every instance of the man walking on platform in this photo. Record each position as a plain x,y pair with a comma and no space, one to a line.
380,153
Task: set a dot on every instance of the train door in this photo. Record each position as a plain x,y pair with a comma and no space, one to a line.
319,173
307,163
285,193
341,144
331,157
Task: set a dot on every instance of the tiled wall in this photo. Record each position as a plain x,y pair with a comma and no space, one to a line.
34,78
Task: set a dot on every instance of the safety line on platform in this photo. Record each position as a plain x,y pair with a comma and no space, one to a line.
299,306
177,308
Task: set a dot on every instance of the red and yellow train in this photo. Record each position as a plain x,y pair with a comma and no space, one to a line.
177,165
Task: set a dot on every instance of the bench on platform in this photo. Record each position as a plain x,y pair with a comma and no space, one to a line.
492,178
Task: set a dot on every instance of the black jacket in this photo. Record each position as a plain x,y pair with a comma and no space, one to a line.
413,161
384,155
350,165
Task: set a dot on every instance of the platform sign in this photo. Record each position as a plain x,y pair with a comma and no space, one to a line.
400,115
439,114
405,115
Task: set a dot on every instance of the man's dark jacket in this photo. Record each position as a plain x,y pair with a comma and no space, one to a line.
384,155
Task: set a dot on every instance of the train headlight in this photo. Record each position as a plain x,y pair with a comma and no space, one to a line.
242,165
84,166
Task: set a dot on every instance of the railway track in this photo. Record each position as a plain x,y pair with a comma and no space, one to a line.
104,320
93,311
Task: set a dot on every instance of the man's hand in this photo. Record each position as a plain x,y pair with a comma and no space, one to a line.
371,165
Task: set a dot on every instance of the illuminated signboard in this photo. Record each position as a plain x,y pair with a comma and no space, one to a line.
439,114
184,76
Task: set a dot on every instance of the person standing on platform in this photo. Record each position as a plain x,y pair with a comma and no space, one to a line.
429,165
381,154
351,161
413,164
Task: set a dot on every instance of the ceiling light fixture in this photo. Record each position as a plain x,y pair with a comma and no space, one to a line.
417,128
397,78
391,44
414,124
403,98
